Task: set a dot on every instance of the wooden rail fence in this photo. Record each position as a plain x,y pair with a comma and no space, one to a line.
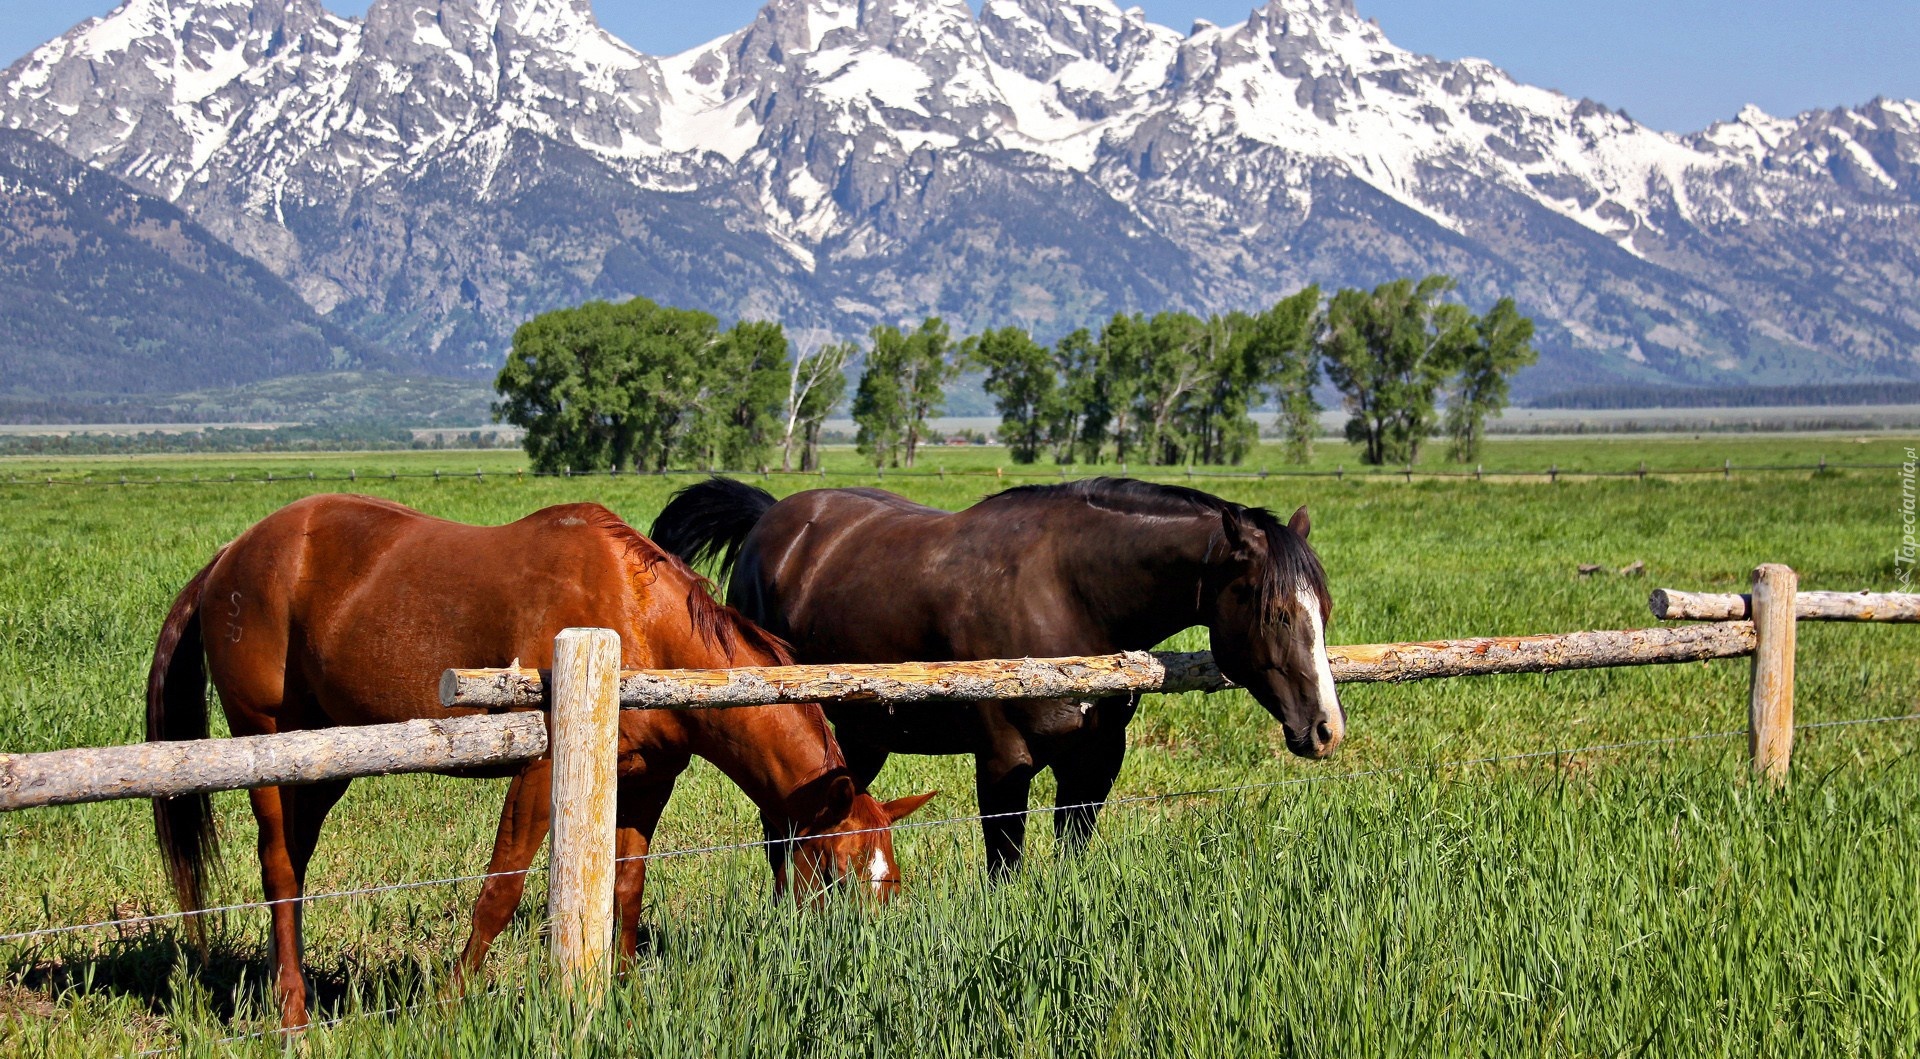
585,690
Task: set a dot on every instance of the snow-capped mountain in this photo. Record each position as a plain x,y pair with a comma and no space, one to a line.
433,174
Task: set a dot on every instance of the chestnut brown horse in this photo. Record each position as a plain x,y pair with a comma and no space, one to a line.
1088,567
344,610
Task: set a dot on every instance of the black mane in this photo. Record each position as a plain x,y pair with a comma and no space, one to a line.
1291,561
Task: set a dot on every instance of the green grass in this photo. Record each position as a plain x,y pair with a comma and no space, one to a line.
1641,901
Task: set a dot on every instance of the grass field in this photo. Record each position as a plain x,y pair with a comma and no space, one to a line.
1645,900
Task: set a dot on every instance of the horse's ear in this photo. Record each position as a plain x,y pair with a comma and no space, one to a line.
1239,547
836,800
1299,523
901,808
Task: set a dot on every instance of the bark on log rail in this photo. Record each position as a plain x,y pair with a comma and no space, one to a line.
1096,675
192,766
1670,605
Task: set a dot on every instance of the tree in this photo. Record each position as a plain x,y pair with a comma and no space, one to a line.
1078,422
639,385
738,398
1021,376
1216,420
1116,384
1173,368
880,401
901,387
1283,347
932,361
816,379
1387,352
579,381
1501,347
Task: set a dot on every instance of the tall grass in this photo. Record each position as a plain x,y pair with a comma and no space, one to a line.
1644,901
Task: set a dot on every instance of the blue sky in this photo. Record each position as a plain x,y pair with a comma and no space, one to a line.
1674,64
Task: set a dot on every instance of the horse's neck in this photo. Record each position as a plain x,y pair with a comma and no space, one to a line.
769,752
1143,576
772,753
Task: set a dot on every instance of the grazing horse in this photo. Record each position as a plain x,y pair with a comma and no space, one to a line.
1089,567
344,610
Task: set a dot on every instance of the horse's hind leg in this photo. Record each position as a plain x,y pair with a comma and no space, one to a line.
289,819
523,826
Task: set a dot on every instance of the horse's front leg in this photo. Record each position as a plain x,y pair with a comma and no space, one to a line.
523,826
642,800
1002,776
1085,769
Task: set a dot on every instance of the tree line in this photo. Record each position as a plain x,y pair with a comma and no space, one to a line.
644,386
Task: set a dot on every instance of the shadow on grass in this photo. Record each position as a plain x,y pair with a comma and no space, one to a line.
161,974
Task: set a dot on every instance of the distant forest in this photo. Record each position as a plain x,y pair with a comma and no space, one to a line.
1631,396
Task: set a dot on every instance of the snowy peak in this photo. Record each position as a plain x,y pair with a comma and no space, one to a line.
155,88
1873,149
827,137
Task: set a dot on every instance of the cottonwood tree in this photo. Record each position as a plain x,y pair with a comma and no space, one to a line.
1175,366
1022,377
638,385
816,379
1283,346
1236,374
932,362
1388,351
1077,421
1501,346
902,386
879,402
735,398
1115,386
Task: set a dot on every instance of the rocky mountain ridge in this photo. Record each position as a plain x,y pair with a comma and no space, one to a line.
106,290
432,174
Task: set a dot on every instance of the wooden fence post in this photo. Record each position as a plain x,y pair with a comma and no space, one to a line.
585,740
1770,706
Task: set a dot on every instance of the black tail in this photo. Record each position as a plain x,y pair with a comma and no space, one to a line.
709,520
177,709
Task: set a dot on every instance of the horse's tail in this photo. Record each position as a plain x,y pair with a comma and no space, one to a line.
177,709
710,520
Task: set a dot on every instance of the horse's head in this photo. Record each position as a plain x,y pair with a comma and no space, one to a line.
846,845
1269,627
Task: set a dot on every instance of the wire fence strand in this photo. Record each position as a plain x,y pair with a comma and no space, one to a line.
1128,800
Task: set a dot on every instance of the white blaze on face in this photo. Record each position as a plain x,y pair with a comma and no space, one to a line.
1329,699
879,871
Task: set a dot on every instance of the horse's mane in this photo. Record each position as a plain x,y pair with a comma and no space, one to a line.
1290,560
721,627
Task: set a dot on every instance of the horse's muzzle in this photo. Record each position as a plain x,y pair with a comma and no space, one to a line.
1318,742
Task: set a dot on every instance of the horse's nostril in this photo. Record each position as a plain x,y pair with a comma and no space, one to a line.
1325,732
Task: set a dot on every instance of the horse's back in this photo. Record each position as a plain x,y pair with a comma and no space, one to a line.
356,604
864,575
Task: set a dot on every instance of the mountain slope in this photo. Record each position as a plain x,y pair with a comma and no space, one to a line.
434,173
110,291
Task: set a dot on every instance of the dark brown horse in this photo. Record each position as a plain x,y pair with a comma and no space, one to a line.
344,610
1095,566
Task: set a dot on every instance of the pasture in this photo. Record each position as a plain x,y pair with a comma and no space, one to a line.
1637,900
